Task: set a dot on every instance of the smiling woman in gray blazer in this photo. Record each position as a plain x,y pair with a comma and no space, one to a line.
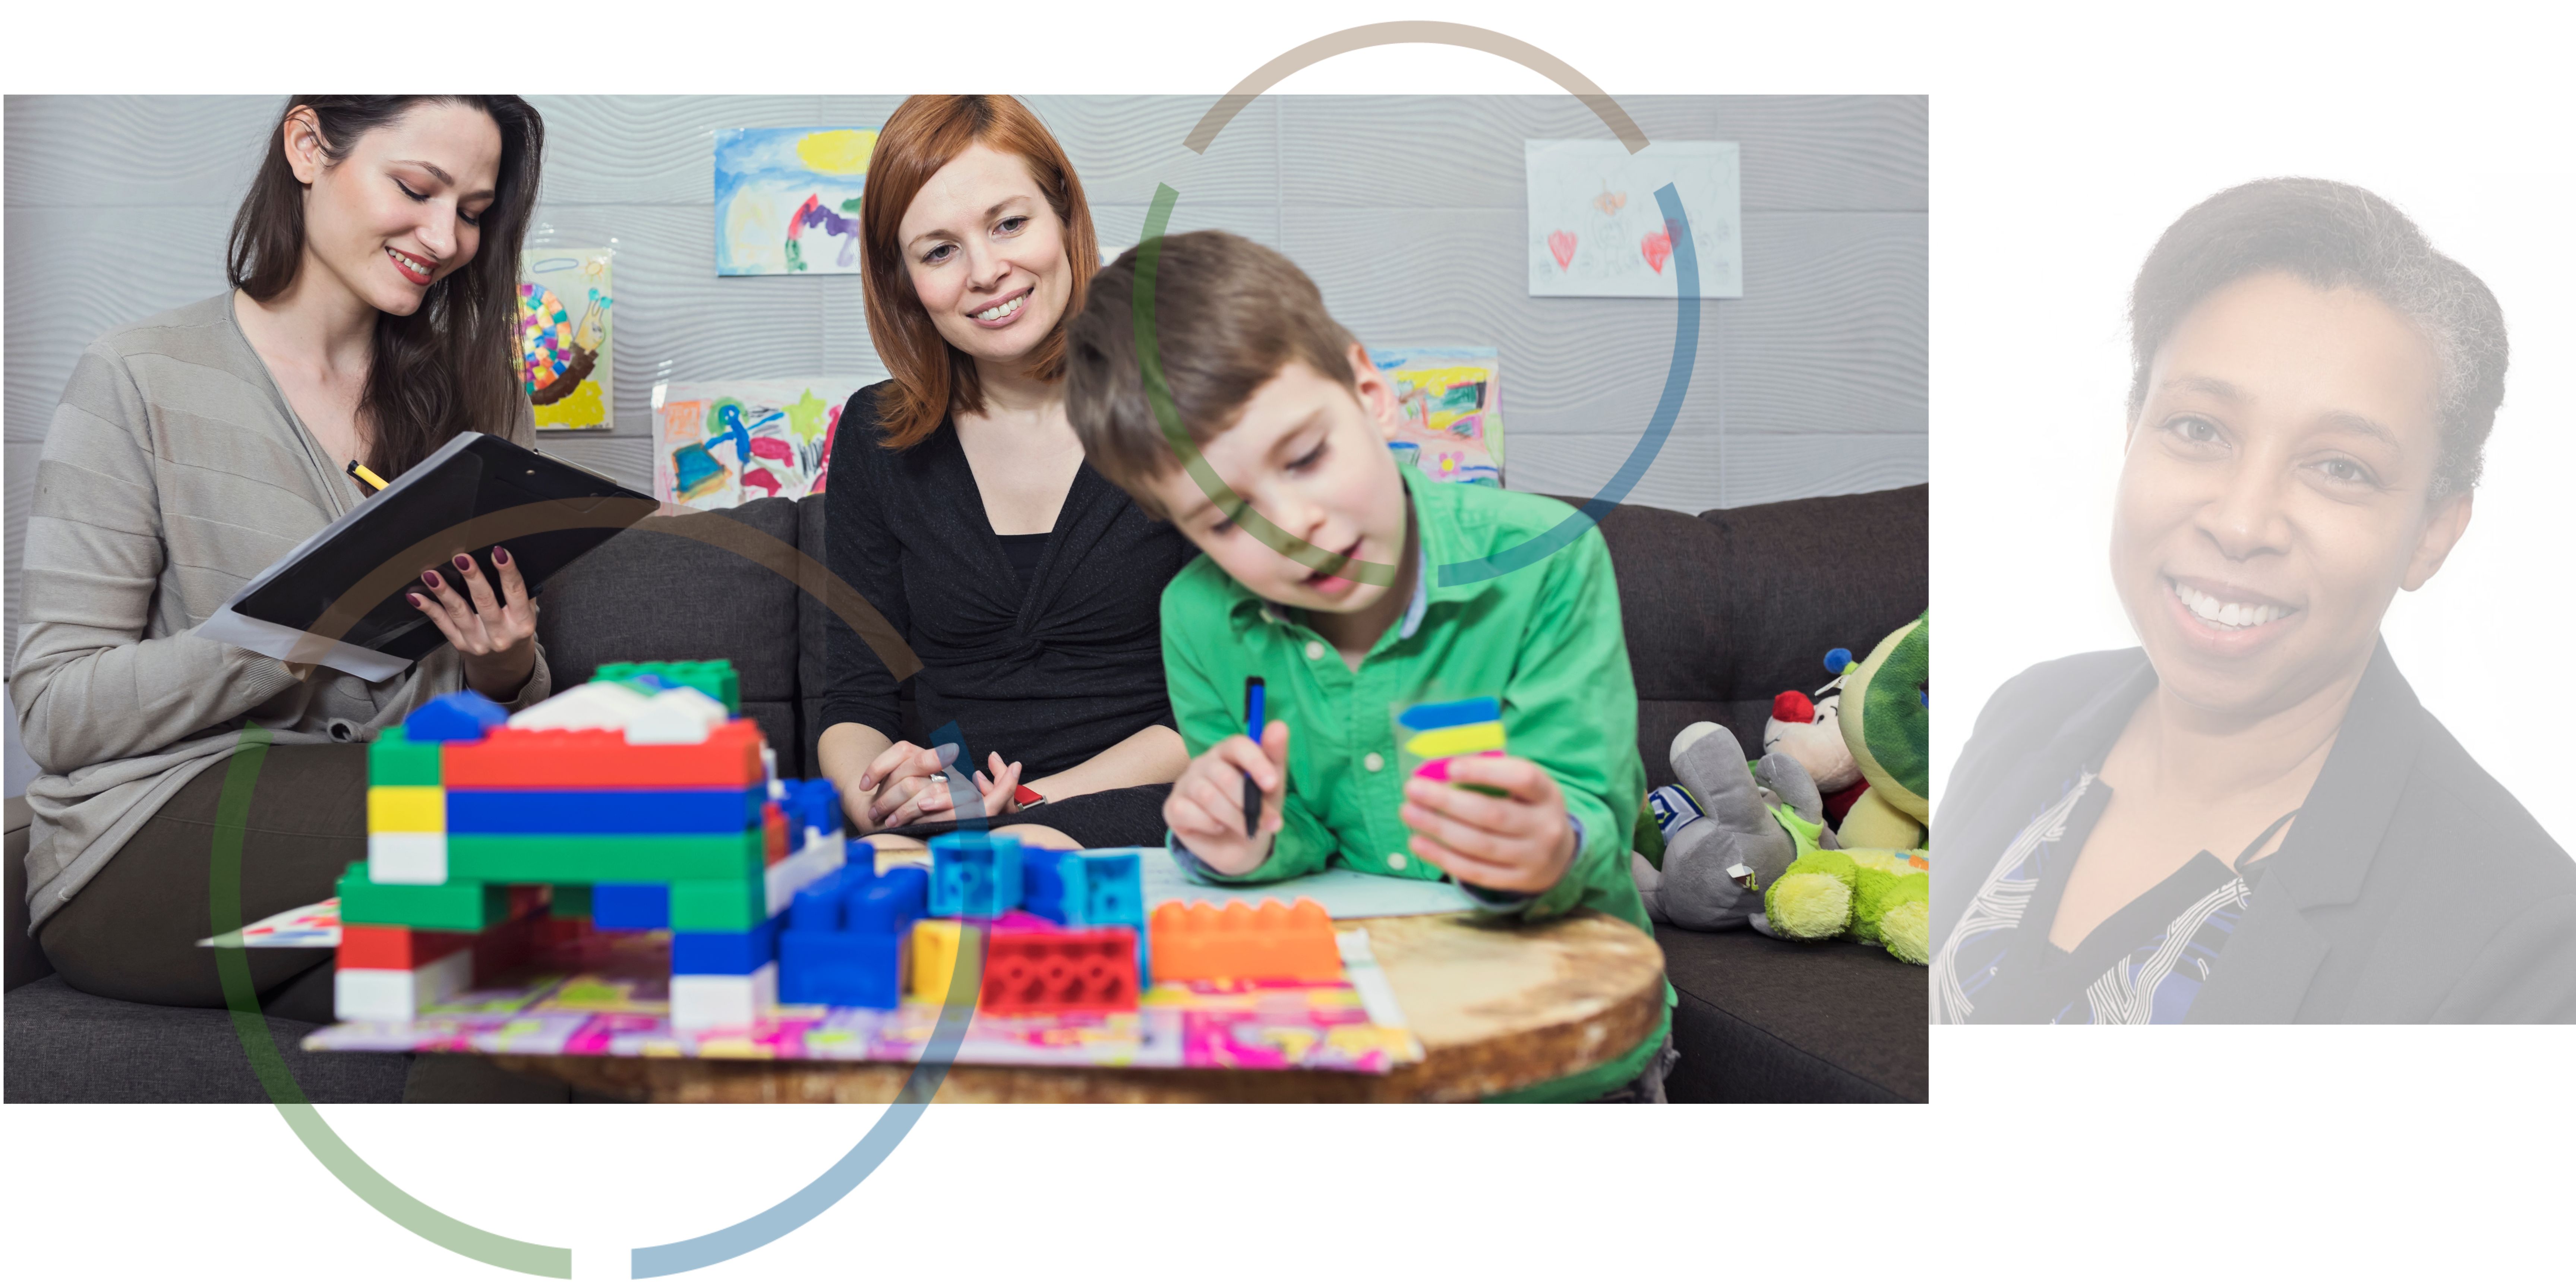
2251,818
373,318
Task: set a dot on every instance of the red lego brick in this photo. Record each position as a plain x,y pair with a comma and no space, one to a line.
396,947
1060,970
1274,942
773,823
591,758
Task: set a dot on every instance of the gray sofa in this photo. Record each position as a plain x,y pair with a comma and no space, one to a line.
1722,610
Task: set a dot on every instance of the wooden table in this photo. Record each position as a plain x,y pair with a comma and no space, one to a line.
1495,1007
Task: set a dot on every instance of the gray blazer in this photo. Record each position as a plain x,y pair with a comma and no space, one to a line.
174,472
2413,889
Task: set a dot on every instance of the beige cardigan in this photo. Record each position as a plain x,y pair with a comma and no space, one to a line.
174,473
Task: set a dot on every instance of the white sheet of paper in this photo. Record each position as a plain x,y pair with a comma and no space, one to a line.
1596,229
1343,893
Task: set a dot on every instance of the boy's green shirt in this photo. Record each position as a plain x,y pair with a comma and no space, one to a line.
1546,639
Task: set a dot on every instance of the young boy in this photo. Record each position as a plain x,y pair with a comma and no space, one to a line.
1355,619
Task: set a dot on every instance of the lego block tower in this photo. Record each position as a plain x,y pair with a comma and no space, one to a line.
642,799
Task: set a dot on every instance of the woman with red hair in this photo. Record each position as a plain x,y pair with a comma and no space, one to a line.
961,507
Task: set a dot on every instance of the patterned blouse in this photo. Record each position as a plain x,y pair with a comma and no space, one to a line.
2143,965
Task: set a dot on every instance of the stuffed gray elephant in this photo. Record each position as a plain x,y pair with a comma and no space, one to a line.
1714,865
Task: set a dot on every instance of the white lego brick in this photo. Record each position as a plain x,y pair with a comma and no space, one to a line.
722,1001
600,704
803,868
397,996
407,858
680,715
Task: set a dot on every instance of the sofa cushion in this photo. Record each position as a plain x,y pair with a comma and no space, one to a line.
1763,1021
68,1047
1726,610
676,587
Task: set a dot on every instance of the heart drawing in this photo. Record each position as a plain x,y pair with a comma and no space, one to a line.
1561,244
1658,247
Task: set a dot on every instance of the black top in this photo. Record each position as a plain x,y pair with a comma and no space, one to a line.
2413,889
2144,964
1051,671
1024,550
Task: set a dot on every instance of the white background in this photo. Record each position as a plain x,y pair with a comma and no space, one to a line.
2291,1155
2040,220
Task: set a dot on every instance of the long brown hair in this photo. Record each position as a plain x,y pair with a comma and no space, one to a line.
453,365
931,378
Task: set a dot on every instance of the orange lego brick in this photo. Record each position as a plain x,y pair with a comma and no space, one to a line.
730,757
1275,942
773,825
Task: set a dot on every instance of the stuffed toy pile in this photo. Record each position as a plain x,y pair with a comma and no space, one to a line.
1747,843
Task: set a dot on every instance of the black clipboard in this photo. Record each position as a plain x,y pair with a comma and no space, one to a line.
474,475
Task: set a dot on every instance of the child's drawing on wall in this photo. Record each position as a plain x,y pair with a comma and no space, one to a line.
563,357
1448,400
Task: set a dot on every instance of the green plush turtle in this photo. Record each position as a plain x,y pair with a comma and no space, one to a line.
1887,721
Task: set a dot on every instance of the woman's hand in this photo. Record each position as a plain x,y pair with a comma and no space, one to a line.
908,784
496,637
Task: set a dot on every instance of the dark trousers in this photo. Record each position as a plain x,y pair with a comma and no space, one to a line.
1121,816
132,932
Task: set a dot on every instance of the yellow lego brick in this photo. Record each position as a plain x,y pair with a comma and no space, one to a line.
934,959
1457,740
406,809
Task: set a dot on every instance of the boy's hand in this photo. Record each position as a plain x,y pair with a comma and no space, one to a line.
1522,842
1205,809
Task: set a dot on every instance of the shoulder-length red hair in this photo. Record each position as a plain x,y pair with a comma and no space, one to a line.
931,378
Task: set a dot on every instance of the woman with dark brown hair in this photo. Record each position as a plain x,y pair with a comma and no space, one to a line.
373,318
961,507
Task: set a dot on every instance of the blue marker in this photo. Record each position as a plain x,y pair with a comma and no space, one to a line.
1252,722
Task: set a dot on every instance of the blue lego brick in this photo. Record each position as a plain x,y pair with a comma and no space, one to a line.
823,904
1444,715
724,952
1042,883
854,898
973,874
1104,888
616,906
462,716
889,904
840,968
811,803
615,812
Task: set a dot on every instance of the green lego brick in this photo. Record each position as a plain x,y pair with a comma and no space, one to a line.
396,761
739,903
570,901
589,859
457,905
716,679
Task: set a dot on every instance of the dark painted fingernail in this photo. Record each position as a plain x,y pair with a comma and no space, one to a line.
500,556
464,564
430,578
415,599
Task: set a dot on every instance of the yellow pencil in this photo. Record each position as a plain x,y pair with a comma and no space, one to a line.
366,476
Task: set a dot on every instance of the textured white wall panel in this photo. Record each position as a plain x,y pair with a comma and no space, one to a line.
1409,213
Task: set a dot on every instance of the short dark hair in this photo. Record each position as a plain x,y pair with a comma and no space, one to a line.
1228,314
2333,235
